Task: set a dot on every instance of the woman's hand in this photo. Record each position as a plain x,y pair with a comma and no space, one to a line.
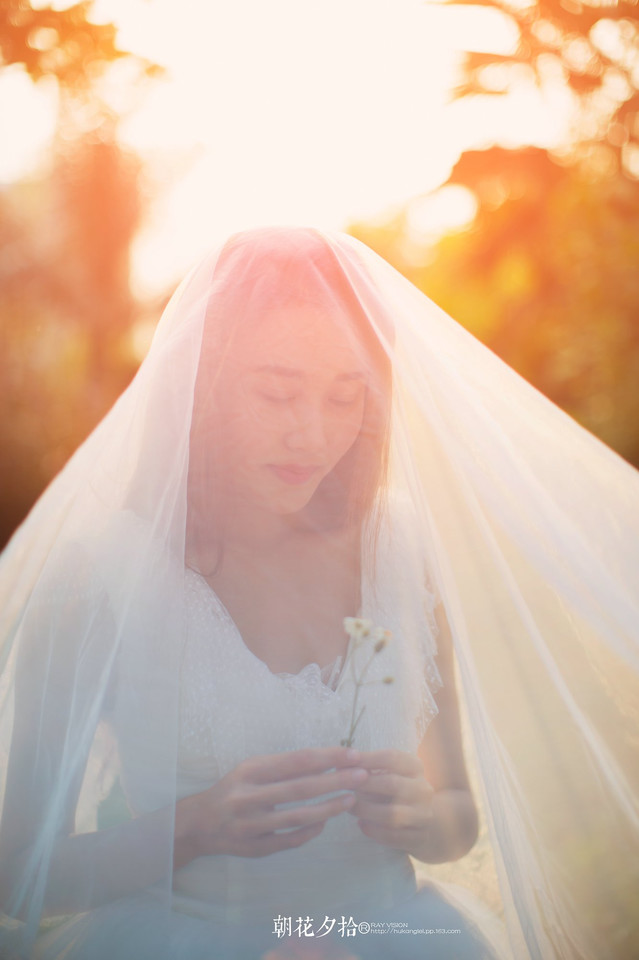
395,806
237,815
398,807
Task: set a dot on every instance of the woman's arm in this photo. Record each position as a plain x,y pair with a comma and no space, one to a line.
89,869
236,816
56,686
61,673
64,666
454,827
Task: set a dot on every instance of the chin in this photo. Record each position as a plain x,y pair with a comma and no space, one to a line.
292,501
287,506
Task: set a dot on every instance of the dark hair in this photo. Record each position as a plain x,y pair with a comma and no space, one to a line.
276,268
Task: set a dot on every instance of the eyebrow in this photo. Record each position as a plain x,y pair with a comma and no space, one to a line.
291,374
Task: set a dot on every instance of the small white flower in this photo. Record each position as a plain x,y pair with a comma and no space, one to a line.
357,628
359,631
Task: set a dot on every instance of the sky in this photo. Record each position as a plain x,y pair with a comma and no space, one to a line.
290,111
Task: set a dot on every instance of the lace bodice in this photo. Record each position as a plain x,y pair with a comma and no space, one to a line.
232,706
266,712
309,676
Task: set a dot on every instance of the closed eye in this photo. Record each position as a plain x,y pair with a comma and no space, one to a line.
348,397
276,398
340,400
350,402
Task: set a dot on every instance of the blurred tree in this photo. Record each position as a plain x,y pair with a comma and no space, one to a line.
66,306
96,185
546,276
61,43
66,310
592,48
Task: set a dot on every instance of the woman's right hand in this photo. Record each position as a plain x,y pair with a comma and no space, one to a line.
237,815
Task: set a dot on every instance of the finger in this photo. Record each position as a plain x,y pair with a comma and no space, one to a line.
296,763
304,814
392,816
395,761
294,817
393,786
305,788
269,843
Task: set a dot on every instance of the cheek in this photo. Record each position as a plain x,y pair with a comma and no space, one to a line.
344,431
244,437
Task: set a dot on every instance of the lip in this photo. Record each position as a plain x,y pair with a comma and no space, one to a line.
293,473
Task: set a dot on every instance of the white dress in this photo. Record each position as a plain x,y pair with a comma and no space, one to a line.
233,707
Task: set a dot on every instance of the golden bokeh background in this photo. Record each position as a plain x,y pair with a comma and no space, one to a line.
488,151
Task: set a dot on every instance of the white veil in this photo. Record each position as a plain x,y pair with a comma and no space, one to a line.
525,526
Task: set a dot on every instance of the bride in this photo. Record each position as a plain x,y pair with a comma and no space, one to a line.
229,703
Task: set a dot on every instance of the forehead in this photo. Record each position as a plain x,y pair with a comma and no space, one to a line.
303,336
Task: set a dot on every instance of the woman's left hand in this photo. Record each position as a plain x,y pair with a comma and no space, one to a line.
394,805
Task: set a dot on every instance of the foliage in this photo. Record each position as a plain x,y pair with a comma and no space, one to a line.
546,277
66,309
65,44
591,47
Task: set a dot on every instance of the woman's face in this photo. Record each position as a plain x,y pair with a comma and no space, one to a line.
292,396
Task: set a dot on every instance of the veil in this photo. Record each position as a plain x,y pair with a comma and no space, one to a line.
478,495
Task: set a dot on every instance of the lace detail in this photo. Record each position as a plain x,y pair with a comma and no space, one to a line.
233,705
312,675
309,677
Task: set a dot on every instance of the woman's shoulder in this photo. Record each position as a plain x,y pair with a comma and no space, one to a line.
93,567
68,576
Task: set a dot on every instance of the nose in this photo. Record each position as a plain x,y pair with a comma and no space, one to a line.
308,433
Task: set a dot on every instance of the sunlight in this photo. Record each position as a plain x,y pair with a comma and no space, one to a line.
27,122
449,208
294,112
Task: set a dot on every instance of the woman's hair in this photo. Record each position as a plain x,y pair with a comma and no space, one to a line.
263,271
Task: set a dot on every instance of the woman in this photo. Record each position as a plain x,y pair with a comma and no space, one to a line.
309,440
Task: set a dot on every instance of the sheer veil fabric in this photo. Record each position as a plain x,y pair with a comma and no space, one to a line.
118,697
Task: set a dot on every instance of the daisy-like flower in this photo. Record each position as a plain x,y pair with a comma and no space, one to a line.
357,628
361,631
